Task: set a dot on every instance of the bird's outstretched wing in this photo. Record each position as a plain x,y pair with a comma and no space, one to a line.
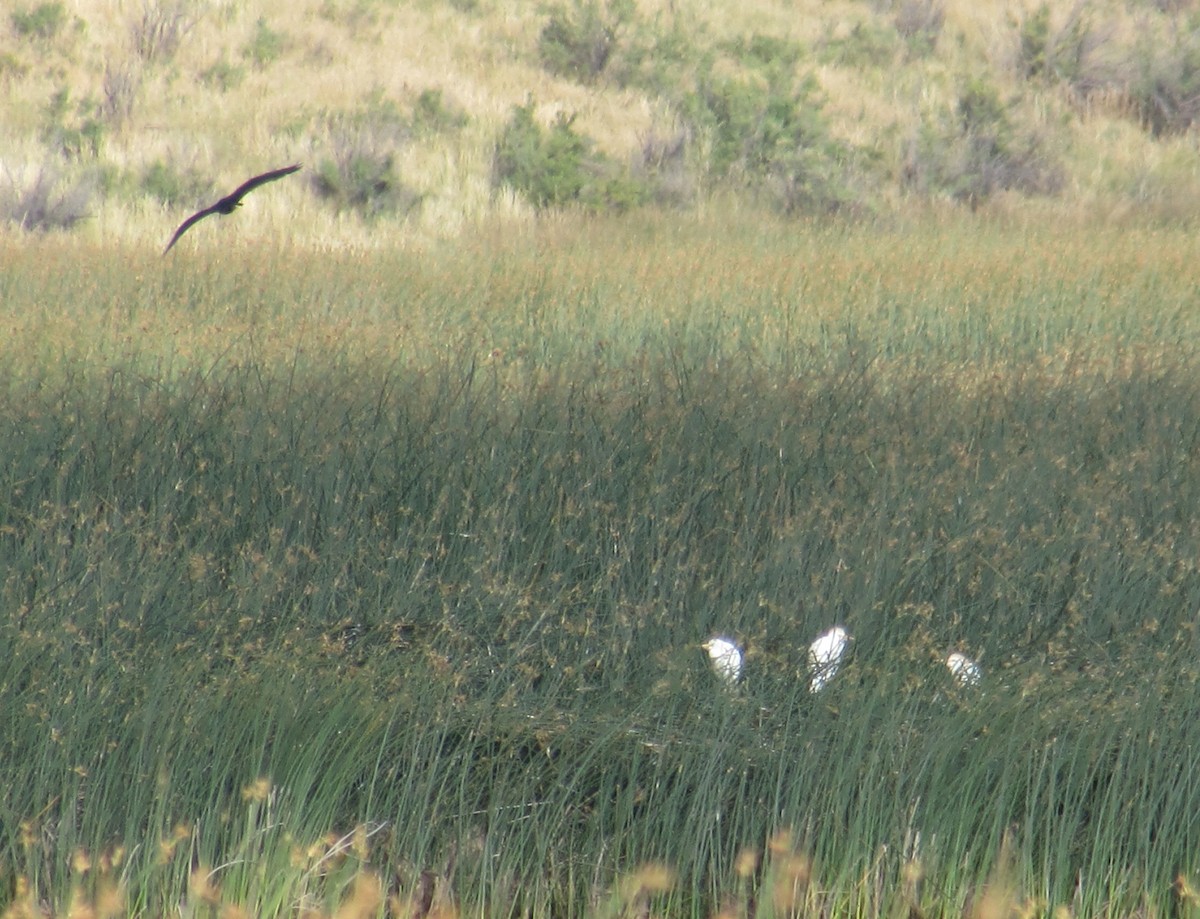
183,227
230,201
248,186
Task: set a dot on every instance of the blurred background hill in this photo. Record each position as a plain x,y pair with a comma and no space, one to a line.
417,120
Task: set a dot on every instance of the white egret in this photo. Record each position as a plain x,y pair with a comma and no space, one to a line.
965,670
726,658
825,657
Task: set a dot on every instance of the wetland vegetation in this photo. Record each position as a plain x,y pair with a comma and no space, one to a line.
342,583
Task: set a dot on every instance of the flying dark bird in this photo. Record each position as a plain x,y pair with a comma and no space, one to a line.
227,204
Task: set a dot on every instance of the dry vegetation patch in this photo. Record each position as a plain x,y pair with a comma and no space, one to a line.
108,89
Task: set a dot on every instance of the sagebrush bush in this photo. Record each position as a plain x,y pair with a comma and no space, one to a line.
865,45
579,41
358,172
558,166
771,138
223,76
1034,39
157,32
432,113
122,83
364,180
378,119
662,164
1164,84
43,21
264,46
769,53
73,130
11,67
51,201
977,151
172,186
919,23
359,18
658,58
1069,52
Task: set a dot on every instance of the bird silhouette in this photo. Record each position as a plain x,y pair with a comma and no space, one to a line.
231,201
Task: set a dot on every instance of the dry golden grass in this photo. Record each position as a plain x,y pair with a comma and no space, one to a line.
335,53
80,302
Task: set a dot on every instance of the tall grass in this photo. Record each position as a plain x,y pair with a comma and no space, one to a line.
320,572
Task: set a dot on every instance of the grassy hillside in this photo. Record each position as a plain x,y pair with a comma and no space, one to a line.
121,117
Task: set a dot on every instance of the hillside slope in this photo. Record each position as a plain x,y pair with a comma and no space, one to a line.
417,120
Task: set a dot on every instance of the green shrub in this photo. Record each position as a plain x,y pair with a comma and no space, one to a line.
660,61
43,21
1064,54
579,42
74,131
771,138
361,17
11,67
558,166
546,170
919,23
866,45
358,173
265,46
431,113
379,117
364,181
979,151
1164,89
765,52
171,186
162,182
1034,38
223,76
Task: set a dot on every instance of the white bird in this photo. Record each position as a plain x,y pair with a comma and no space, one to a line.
965,670
726,658
825,657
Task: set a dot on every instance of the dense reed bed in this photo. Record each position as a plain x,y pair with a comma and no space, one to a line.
338,583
